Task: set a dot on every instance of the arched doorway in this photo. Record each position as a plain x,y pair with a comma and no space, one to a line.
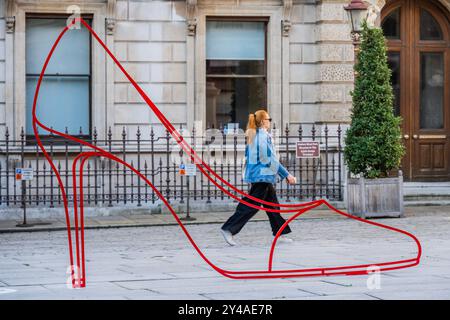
418,41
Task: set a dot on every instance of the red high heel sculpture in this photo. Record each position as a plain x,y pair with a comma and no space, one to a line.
78,276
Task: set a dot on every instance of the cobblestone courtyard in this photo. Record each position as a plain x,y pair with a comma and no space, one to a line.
158,263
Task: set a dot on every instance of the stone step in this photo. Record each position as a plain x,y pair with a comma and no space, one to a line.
427,197
426,203
426,184
426,193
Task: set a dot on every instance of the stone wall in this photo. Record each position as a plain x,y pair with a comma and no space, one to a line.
150,40
2,68
321,62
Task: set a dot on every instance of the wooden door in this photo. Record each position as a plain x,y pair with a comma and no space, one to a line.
417,33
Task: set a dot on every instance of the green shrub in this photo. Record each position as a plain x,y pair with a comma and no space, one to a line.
373,144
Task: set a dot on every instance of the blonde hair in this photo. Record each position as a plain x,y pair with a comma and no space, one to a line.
255,121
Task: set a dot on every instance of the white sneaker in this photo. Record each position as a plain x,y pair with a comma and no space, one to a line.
285,239
228,237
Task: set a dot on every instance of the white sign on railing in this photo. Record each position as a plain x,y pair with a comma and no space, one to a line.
188,169
24,174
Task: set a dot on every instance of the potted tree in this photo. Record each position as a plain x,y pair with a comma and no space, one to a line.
373,147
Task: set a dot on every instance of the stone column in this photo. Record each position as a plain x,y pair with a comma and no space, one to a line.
9,66
110,25
191,22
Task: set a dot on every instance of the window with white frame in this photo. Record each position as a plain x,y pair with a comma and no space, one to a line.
236,81
65,96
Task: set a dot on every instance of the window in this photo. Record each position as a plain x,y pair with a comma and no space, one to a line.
394,65
236,83
431,90
429,28
64,97
391,25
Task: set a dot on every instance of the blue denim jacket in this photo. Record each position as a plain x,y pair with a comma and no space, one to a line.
261,161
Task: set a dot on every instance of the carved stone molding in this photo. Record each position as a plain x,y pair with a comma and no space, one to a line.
110,17
10,18
379,3
286,23
373,16
355,37
374,12
191,10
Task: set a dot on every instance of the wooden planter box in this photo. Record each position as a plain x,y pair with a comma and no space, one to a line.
373,198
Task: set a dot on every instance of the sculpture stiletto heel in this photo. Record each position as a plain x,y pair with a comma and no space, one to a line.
94,151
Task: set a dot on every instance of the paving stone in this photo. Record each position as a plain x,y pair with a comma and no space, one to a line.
159,263
342,297
260,295
436,294
24,292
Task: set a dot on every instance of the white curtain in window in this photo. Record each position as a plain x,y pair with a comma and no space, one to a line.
64,96
234,40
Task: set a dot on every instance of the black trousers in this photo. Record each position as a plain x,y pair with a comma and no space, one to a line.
261,190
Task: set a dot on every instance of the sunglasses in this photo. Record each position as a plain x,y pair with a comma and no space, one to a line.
270,119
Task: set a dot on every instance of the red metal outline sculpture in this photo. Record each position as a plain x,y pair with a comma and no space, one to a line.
78,276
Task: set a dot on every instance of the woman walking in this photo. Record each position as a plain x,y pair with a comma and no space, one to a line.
261,168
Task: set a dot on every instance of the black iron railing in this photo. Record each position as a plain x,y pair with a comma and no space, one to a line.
108,183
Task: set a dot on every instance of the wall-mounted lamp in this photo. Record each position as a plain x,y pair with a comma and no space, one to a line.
357,12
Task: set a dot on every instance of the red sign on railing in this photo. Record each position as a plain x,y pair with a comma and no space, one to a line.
307,149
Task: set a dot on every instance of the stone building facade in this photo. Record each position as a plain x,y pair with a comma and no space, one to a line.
307,66
162,45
